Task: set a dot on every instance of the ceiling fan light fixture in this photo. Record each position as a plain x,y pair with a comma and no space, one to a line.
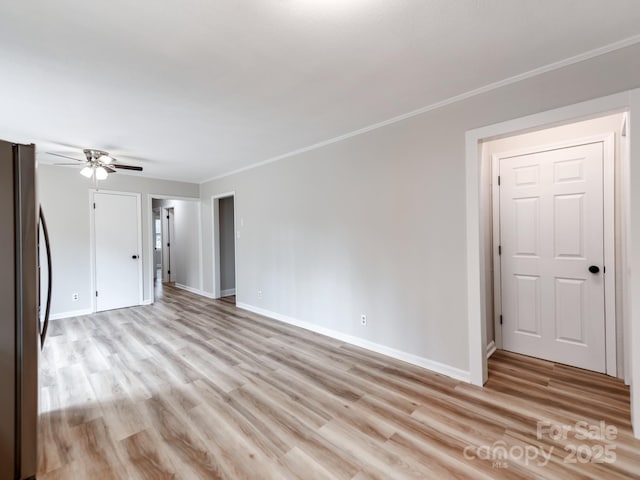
106,159
101,173
87,172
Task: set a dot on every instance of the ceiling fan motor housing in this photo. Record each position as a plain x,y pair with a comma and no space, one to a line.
94,155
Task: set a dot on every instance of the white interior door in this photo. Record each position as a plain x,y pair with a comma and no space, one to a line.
117,254
551,233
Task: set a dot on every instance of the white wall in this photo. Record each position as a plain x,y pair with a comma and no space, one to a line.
186,260
376,223
607,124
64,196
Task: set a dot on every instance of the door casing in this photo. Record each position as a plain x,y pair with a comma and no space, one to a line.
215,235
150,239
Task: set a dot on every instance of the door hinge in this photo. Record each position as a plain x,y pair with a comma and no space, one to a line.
498,180
168,244
604,269
500,319
168,272
94,205
499,249
167,217
96,293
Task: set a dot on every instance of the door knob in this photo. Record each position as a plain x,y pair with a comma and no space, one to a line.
135,257
594,269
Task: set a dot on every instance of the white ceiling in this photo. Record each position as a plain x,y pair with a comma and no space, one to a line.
198,88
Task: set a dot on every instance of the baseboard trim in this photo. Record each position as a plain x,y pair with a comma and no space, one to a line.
146,302
75,313
432,365
227,293
491,348
193,290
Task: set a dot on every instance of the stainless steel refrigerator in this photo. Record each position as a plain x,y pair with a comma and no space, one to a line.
23,320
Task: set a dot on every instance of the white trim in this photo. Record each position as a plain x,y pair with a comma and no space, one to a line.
215,236
457,98
75,313
491,348
197,291
227,293
200,247
432,365
625,234
92,250
148,301
215,246
140,249
634,257
497,270
611,337
92,241
608,141
478,373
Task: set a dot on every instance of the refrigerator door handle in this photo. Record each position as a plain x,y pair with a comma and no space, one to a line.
45,326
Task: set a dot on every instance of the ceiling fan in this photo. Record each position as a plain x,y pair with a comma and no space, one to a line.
98,164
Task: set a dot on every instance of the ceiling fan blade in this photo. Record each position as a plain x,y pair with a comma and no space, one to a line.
125,167
64,156
108,169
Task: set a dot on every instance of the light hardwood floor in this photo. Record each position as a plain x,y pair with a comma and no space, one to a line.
191,388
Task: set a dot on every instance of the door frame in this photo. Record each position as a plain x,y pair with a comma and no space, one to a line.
92,243
627,101
215,232
149,211
608,194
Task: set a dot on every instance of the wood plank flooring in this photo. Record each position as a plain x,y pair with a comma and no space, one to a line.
191,388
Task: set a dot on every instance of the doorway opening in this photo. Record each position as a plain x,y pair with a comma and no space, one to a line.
553,240
176,244
224,247
478,270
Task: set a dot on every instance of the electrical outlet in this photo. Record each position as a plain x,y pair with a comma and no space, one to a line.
75,297
363,319
259,293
